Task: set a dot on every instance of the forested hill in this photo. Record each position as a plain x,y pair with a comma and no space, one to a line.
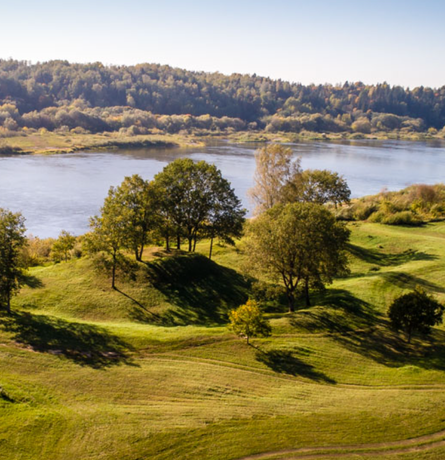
165,90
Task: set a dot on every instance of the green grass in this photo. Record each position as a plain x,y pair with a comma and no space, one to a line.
151,372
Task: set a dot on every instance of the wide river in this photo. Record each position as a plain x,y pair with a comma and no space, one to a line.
62,191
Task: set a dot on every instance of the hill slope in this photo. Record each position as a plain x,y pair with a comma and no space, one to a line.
84,377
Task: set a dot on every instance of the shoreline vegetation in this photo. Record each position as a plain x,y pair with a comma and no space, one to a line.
46,142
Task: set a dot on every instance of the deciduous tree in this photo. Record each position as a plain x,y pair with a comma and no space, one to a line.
247,321
275,167
12,241
415,311
298,242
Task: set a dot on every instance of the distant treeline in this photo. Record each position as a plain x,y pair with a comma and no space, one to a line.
94,97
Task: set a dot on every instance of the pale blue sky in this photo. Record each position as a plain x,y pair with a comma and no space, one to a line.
401,42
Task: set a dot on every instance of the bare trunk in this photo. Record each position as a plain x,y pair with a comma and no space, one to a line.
211,248
291,301
113,273
178,242
306,292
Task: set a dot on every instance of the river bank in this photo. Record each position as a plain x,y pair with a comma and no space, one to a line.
45,142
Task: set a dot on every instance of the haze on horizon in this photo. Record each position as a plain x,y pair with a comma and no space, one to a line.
396,41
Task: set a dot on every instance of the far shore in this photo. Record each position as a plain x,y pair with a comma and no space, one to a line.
46,143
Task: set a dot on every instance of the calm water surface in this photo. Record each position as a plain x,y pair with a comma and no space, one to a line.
61,191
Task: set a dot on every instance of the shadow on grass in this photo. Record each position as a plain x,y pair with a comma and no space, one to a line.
200,290
31,281
84,344
373,256
141,312
285,362
406,281
390,348
337,311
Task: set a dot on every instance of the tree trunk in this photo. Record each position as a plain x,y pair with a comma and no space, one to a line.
194,243
211,248
190,238
113,273
167,242
141,251
306,292
291,301
178,242
8,303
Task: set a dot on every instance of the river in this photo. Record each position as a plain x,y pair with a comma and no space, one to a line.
58,192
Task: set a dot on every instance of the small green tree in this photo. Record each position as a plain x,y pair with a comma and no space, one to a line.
415,311
109,231
247,321
63,246
137,199
12,242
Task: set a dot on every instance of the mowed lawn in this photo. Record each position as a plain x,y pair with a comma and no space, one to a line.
151,371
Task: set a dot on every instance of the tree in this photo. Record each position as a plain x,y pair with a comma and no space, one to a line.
298,242
195,200
137,200
275,167
226,217
12,242
247,321
109,231
317,186
415,311
62,246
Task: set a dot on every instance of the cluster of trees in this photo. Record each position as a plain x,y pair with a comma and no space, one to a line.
186,201
164,90
294,237
80,119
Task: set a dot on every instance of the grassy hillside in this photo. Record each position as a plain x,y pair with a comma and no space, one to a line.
151,372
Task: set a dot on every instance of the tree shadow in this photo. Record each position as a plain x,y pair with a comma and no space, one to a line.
390,348
285,362
84,344
405,281
337,311
201,291
141,313
31,281
373,256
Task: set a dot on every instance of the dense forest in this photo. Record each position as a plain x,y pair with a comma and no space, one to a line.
58,95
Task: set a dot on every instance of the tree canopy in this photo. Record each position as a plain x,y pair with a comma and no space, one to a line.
298,242
415,311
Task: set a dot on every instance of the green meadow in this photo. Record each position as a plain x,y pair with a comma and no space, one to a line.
150,371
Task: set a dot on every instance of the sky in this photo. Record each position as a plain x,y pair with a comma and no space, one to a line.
313,41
